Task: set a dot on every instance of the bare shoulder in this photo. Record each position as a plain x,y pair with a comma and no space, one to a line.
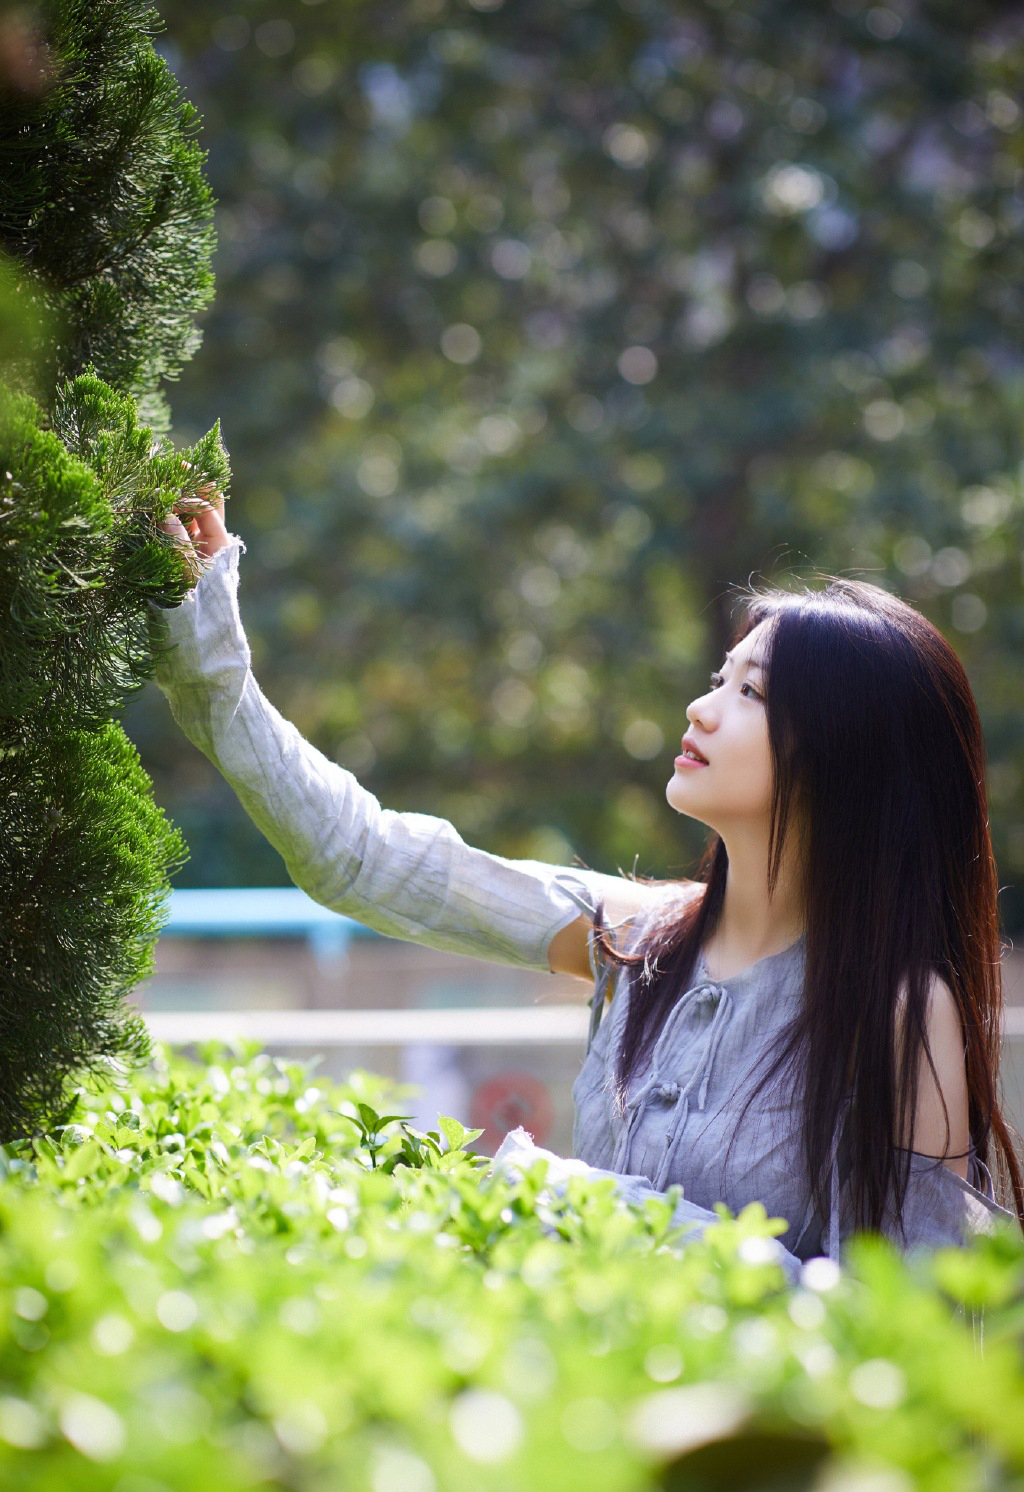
942,1093
625,899
623,902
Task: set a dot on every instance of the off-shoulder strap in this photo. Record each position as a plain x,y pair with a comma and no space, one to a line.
605,972
600,966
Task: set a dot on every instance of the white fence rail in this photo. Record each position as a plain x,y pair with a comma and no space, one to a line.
517,1026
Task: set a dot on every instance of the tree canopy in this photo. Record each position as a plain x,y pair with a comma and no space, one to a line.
540,327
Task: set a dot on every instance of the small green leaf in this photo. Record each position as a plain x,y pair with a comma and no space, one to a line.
83,1161
453,1131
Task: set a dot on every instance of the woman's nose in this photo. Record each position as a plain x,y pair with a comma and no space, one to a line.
701,712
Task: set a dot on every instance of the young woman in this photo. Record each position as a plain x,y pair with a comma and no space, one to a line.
814,1024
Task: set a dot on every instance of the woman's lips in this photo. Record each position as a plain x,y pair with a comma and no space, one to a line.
690,757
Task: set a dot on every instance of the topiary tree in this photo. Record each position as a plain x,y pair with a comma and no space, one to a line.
106,225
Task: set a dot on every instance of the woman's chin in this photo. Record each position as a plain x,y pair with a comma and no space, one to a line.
677,797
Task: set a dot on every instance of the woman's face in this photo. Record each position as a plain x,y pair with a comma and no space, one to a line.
723,777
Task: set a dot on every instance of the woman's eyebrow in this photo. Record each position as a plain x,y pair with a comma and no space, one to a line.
750,663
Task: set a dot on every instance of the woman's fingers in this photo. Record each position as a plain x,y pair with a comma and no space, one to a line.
210,493
173,525
195,506
203,519
175,529
197,526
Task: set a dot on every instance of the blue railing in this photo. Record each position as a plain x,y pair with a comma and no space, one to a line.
263,912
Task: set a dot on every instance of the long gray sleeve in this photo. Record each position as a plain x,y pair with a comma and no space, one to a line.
405,874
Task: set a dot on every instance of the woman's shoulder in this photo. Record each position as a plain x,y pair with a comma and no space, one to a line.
663,901
637,914
941,1120
624,901
628,911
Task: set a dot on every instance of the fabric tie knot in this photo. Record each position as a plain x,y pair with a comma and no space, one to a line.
714,1001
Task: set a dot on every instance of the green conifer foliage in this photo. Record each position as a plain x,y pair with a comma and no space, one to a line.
105,224
83,866
104,199
79,557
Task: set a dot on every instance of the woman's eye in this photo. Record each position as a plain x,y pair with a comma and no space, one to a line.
748,690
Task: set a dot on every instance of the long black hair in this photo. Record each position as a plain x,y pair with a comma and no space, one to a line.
875,739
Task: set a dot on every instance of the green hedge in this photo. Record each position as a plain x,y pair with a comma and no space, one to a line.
228,1275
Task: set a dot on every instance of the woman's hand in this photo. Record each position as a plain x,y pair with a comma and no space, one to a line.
197,526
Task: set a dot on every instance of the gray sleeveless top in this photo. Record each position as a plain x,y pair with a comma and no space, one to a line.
681,1115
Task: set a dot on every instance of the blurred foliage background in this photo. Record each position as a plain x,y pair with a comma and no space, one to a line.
542,326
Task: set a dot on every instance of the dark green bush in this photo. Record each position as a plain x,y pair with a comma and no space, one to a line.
105,243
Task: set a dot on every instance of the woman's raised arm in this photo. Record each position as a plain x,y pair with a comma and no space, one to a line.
405,874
